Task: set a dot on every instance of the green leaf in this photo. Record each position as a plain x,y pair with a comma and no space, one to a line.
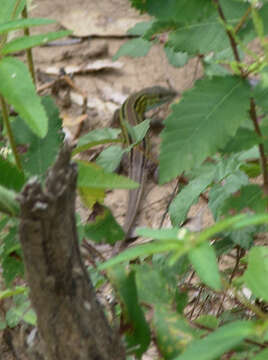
262,355
138,335
17,88
110,158
8,12
208,321
207,34
244,139
140,28
219,193
104,228
152,286
257,272
205,263
218,342
181,204
10,176
96,137
23,23
134,48
8,203
172,332
41,153
13,291
202,118
183,10
93,176
148,249
26,42
177,59
250,197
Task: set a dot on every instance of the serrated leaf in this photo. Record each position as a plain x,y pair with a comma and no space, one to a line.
110,158
181,204
244,139
220,193
93,176
17,88
182,10
104,228
23,23
140,28
257,272
134,48
177,59
27,42
138,336
205,263
172,332
218,342
41,153
205,34
96,137
201,123
10,176
250,197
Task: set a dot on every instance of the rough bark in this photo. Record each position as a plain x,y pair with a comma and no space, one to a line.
71,322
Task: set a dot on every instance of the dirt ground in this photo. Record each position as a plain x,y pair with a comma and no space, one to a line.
100,27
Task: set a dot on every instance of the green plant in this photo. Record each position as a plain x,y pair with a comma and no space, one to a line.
215,137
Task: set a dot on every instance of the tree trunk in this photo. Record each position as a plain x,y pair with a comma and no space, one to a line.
70,320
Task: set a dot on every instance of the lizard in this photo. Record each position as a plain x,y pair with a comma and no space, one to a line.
133,112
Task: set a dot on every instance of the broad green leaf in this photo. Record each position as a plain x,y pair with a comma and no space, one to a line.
257,272
134,48
22,311
26,42
17,88
219,193
250,197
110,158
172,332
205,263
201,123
160,234
140,28
93,176
10,176
262,355
8,203
181,204
11,10
104,228
244,139
183,10
177,59
96,137
244,237
41,153
138,336
260,91
218,342
152,286
207,34
22,23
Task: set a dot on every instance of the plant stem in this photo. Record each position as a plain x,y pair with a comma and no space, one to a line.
263,161
230,36
29,51
9,133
